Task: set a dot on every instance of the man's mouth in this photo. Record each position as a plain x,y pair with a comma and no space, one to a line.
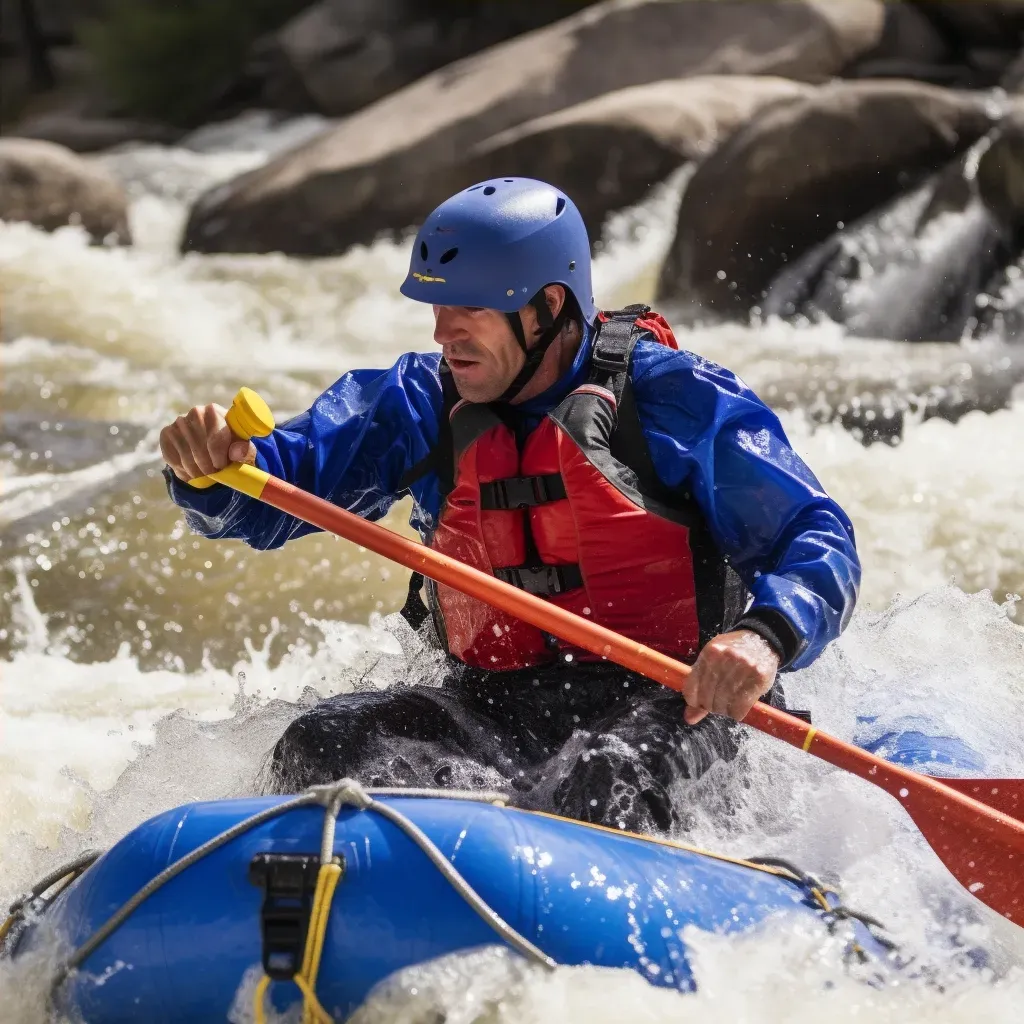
459,364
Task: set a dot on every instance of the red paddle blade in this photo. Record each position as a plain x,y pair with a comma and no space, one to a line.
1006,795
983,850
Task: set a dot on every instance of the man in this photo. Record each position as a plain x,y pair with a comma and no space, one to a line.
578,456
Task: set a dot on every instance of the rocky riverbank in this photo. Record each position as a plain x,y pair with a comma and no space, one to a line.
805,123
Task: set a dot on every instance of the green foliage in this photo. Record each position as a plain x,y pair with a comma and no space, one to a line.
171,59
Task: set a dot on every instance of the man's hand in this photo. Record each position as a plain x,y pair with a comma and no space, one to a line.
730,675
200,442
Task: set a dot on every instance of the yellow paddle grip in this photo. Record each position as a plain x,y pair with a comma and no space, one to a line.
249,416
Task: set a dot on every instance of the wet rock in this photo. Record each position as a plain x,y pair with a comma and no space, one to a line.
607,152
84,134
780,184
49,186
383,168
1013,77
911,46
910,271
1000,173
937,264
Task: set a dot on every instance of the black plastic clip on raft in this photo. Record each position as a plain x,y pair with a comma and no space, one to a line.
288,882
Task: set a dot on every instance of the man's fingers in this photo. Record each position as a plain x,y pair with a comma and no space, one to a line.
181,462
197,431
742,701
693,715
169,452
242,451
728,677
696,691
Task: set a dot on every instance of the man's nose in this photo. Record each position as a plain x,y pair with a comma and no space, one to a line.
447,325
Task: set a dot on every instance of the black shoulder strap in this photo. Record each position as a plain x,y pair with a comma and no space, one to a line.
721,595
610,365
616,337
441,458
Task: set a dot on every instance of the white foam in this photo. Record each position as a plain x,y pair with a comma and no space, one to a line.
90,749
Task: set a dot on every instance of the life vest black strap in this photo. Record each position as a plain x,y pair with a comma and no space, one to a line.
415,610
522,491
610,363
440,460
616,338
543,580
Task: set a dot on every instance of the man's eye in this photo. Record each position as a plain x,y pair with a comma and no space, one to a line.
472,309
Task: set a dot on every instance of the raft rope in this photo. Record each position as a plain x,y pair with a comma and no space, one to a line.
349,793
66,873
832,912
332,797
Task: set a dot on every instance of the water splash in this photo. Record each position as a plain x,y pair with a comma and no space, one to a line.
143,668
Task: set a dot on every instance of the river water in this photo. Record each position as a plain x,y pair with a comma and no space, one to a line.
143,667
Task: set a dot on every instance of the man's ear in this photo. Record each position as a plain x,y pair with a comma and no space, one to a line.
554,295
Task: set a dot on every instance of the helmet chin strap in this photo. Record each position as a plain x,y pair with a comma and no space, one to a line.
551,328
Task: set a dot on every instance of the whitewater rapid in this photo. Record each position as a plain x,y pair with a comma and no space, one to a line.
142,667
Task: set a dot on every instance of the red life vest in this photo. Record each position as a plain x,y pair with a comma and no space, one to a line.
577,516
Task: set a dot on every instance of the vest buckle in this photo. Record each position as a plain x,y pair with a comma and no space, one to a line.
611,360
514,492
542,580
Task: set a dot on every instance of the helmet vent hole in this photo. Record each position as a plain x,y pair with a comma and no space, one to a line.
473,188
560,205
490,190
450,254
508,181
423,250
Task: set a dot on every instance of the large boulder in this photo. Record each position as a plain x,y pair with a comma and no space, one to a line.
781,183
977,23
85,134
1000,174
340,55
911,46
606,152
49,186
379,169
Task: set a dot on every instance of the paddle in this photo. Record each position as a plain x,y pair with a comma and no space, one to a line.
972,824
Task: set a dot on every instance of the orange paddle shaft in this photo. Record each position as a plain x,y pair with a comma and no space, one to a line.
983,847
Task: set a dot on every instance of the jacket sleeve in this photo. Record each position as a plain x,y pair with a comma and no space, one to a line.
792,545
351,447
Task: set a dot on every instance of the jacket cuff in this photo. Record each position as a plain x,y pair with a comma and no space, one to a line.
775,629
208,501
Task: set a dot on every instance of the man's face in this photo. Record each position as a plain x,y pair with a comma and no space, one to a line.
481,349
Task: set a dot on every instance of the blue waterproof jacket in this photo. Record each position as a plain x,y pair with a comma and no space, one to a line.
792,545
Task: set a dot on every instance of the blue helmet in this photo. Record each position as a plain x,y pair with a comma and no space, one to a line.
497,244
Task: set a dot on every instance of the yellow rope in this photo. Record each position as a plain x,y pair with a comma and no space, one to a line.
259,998
809,739
312,1010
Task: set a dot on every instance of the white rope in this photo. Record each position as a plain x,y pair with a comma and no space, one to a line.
332,797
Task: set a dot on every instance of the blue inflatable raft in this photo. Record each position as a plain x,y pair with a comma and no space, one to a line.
168,923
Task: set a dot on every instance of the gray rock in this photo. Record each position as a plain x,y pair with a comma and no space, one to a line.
911,46
340,55
971,23
381,168
780,184
49,186
1000,174
84,134
607,152
1013,77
